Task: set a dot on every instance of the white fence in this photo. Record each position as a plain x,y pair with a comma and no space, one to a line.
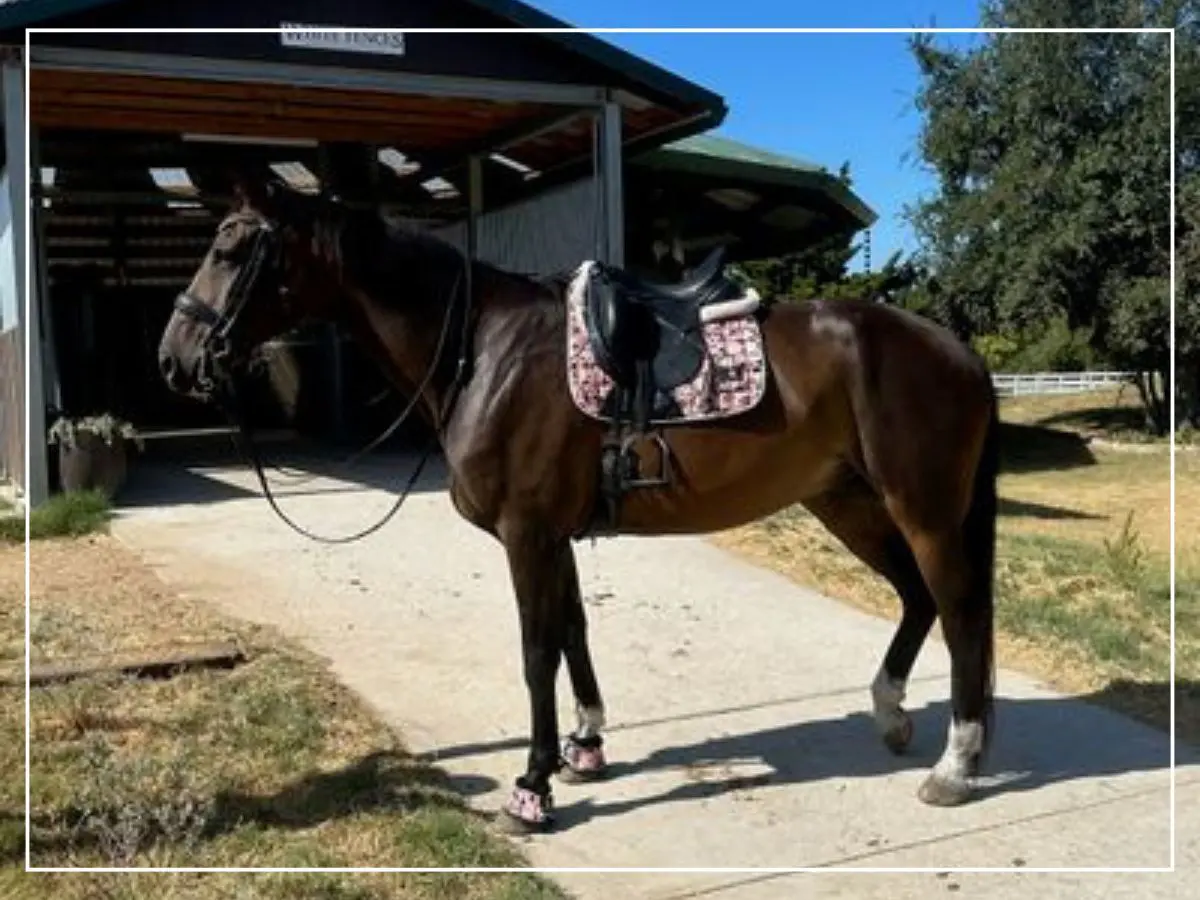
1057,382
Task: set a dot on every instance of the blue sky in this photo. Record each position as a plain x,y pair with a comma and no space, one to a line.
823,97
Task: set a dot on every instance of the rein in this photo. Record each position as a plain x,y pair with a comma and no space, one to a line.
222,384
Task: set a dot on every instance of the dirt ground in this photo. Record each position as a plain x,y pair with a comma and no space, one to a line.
270,763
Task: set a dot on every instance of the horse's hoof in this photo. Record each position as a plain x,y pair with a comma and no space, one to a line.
974,764
898,737
582,764
939,791
527,812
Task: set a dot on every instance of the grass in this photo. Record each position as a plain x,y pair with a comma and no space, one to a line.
12,528
63,515
268,764
1083,545
1113,414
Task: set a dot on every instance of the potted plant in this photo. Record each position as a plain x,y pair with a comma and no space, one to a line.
93,452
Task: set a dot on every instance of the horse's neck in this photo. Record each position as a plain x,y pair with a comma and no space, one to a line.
404,343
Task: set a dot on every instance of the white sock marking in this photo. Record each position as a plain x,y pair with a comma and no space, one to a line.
591,720
887,694
964,741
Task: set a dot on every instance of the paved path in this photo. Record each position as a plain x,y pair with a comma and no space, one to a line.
737,701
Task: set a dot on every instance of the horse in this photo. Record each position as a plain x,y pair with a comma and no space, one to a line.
881,423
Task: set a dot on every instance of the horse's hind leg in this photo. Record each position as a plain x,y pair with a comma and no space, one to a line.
956,555
856,516
583,755
967,625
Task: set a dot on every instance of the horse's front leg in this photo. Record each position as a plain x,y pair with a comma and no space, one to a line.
539,565
582,752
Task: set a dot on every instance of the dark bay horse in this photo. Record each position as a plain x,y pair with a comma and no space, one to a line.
880,423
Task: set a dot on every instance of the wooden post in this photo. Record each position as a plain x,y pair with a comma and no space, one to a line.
29,298
612,189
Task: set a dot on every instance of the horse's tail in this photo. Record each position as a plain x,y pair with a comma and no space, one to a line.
979,537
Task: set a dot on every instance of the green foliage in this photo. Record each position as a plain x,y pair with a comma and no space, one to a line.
1051,218
1187,209
1053,347
997,350
63,515
1136,315
1126,555
823,270
107,427
801,274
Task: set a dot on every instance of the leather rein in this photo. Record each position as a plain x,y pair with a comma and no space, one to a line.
218,378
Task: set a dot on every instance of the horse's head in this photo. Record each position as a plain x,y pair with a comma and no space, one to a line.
266,271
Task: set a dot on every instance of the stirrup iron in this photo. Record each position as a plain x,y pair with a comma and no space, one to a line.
635,479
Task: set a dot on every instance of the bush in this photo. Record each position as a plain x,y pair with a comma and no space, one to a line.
1051,347
63,515
1055,348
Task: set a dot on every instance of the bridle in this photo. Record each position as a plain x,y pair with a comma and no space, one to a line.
265,258
265,254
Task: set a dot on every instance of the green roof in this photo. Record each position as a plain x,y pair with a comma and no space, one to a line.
719,147
721,157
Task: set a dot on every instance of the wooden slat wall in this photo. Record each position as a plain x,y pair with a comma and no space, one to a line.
62,99
12,407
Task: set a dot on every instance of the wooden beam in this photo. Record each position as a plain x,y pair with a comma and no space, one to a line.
184,91
253,125
85,103
150,663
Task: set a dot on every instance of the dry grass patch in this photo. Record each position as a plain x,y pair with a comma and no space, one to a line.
12,712
1112,413
268,764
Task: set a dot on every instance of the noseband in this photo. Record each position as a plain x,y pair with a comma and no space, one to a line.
264,254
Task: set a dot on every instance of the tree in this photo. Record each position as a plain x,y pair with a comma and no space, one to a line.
1052,157
1187,214
797,275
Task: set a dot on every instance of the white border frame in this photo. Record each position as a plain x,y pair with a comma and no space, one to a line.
769,870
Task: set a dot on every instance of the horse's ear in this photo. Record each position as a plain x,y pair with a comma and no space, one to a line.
249,192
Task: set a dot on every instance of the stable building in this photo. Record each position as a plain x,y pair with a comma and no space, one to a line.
530,151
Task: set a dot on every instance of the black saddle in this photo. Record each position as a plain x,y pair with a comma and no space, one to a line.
647,336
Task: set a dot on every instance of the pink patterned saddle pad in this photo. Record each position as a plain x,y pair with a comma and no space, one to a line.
732,379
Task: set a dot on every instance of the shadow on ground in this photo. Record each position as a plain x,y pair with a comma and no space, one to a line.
1007,507
1033,448
1105,419
1038,742
381,782
12,836
291,471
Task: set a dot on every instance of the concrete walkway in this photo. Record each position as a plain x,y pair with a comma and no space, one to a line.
737,700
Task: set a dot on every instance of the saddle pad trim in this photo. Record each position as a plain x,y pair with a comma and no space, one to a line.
730,309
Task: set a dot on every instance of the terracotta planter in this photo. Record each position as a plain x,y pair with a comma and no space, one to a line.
87,462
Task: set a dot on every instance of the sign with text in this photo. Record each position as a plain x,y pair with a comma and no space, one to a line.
314,37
